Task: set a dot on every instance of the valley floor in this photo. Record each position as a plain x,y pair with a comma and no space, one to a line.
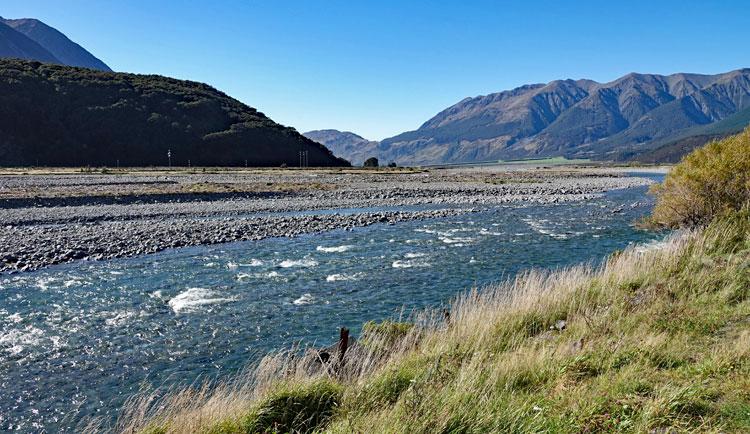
63,215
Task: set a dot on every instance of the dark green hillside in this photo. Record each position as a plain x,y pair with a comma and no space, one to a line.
672,151
56,115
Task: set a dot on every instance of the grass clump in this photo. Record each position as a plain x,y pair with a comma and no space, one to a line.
292,408
711,181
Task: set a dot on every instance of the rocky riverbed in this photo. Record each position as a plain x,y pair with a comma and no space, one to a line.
55,218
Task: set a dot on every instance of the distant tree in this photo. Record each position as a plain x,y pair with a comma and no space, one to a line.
392,164
371,162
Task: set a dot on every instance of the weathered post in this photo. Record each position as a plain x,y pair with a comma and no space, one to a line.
343,344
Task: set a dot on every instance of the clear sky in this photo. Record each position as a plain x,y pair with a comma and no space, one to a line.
382,67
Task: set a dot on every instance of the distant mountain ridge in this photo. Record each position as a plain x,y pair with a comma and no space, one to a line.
54,115
31,39
16,45
573,118
345,144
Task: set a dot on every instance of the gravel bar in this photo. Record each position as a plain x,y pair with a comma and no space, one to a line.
99,217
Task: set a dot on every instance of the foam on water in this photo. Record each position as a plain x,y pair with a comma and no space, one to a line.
537,226
288,263
192,299
304,299
456,240
485,231
342,277
120,318
653,245
44,283
411,263
334,249
412,255
15,341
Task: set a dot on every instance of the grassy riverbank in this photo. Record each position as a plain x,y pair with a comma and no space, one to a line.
656,340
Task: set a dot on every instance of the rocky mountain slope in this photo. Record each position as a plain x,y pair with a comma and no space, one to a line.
345,144
55,115
65,51
16,45
573,118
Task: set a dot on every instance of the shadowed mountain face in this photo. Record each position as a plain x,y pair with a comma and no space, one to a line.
345,144
31,39
63,49
576,119
57,115
17,45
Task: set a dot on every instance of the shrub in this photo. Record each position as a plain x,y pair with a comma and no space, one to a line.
709,182
371,162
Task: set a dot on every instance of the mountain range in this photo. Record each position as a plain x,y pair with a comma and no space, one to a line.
644,117
55,115
31,39
620,120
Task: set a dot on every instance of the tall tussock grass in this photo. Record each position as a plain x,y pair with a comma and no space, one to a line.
653,340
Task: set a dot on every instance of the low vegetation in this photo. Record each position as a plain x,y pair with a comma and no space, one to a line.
711,181
656,339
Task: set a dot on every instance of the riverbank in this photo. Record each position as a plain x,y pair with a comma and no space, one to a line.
62,216
655,340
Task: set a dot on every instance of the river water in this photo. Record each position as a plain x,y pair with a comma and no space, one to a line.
78,339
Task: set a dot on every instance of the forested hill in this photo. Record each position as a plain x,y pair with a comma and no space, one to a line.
55,115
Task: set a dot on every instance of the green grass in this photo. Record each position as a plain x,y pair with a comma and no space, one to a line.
655,341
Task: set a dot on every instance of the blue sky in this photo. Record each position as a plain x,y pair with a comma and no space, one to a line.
382,67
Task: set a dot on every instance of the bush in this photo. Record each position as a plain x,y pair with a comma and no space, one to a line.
710,182
371,162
